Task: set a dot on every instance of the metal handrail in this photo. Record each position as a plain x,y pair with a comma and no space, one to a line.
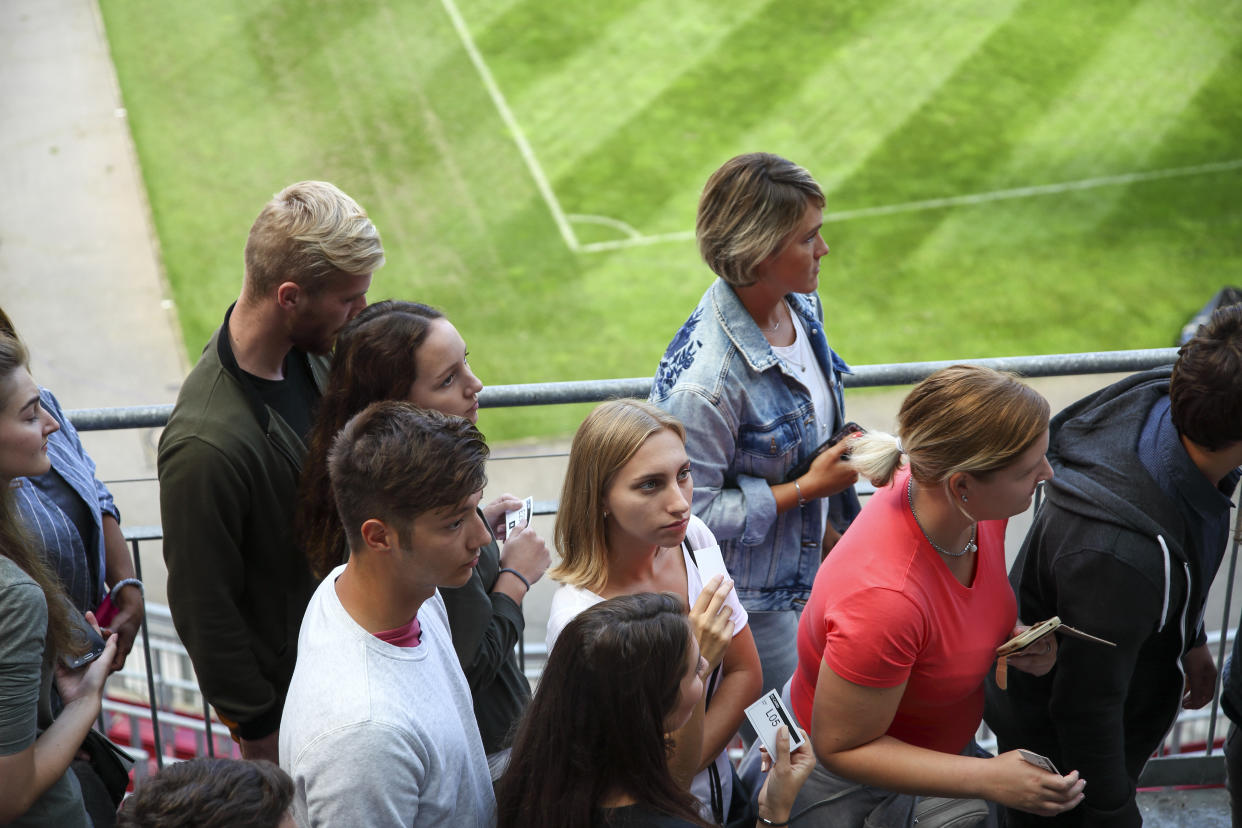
1207,769
586,391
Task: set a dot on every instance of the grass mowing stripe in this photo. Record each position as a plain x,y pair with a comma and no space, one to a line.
873,83
978,116
665,152
1107,121
613,77
1097,124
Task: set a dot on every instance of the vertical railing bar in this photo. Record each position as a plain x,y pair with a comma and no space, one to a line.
211,740
146,653
1224,633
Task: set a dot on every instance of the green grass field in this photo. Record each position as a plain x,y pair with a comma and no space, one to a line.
628,107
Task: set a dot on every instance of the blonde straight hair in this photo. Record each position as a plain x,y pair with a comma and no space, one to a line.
964,418
606,440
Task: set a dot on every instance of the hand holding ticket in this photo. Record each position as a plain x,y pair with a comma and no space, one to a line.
519,517
767,716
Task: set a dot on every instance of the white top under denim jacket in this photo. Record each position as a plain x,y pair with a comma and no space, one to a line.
748,421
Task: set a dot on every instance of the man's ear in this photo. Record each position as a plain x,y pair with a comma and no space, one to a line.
377,536
288,294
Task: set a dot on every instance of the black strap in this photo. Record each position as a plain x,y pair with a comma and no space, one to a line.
713,773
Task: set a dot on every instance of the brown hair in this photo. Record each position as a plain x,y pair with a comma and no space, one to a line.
596,726
15,543
395,461
748,208
606,440
309,234
964,418
374,360
1205,392
210,793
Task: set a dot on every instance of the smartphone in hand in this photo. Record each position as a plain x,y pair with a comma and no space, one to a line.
805,464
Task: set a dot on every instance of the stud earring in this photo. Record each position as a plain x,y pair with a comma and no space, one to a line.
605,514
963,498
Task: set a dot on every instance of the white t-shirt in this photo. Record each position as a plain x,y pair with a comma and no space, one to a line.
380,735
800,360
569,600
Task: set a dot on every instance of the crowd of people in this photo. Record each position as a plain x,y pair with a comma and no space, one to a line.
351,606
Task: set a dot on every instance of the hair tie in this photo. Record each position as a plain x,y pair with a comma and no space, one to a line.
900,449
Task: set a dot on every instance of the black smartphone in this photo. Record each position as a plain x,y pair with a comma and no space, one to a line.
86,641
805,464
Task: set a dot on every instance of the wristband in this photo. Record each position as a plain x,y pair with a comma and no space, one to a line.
124,582
767,821
802,501
515,574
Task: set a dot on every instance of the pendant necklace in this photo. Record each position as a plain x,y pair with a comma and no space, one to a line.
970,546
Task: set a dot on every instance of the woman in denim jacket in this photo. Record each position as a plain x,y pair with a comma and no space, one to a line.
751,376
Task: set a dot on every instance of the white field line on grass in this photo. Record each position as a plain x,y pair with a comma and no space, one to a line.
634,238
954,201
506,115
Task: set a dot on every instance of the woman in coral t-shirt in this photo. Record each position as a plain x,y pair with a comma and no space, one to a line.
908,610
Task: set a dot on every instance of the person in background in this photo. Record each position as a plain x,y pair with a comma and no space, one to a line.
752,378
624,526
212,793
230,455
36,787
378,728
908,611
592,749
406,351
1125,547
71,516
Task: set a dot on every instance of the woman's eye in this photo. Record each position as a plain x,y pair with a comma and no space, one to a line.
447,381
684,473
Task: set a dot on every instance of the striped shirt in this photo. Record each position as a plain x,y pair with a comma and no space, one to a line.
71,482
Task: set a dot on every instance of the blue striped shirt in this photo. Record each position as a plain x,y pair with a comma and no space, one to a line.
38,502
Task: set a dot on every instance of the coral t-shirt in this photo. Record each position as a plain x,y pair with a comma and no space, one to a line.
886,609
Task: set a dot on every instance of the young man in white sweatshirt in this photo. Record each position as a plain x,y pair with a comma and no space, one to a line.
378,728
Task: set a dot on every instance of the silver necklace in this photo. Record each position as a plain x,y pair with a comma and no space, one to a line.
970,546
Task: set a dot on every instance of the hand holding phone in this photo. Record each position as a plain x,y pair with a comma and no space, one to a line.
804,465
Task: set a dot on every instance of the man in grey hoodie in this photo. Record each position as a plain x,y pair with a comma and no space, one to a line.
1125,547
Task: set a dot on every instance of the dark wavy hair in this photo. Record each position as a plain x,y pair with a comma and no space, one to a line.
210,793
1205,391
373,361
395,461
595,728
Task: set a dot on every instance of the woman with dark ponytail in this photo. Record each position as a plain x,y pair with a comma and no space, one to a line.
593,749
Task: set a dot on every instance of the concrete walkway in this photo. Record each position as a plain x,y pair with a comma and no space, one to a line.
79,268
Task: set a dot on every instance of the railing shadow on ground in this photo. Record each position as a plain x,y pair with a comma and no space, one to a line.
157,708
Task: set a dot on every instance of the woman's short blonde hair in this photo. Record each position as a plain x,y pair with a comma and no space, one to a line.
964,418
606,440
748,208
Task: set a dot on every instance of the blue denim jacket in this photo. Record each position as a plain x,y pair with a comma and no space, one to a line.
748,421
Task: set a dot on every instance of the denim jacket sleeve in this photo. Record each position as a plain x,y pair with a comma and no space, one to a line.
744,508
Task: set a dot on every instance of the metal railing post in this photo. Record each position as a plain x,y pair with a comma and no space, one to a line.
146,652
1224,636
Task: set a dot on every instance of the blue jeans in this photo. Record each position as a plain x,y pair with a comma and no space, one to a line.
776,639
